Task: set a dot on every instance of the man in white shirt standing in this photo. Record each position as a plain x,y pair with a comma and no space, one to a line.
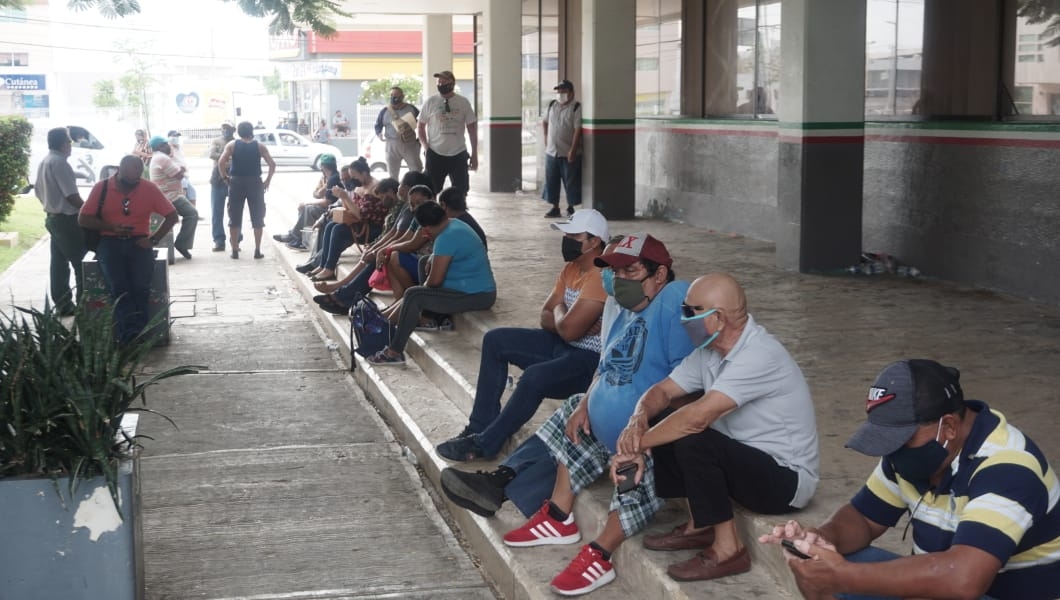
563,149
56,188
442,122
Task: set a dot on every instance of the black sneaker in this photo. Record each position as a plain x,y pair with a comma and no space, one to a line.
305,268
570,211
480,492
554,213
461,449
282,237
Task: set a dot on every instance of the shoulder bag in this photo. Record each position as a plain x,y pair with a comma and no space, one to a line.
92,235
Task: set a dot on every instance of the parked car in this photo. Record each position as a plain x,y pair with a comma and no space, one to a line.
96,148
374,151
291,149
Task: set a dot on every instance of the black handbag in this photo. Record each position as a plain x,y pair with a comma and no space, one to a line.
92,235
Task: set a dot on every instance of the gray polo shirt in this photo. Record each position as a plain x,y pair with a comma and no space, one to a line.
563,120
774,410
55,183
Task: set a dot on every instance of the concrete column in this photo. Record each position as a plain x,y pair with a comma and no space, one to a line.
822,134
500,123
608,96
437,48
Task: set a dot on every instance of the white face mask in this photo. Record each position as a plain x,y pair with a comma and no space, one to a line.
174,141
562,97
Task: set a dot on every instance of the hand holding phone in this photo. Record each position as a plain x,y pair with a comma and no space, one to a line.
790,547
629,471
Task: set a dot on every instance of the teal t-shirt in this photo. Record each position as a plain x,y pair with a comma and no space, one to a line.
469,268
641,350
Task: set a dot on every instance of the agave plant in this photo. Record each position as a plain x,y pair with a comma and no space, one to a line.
63,391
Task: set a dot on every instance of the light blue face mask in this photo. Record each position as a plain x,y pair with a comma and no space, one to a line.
607,276
697,332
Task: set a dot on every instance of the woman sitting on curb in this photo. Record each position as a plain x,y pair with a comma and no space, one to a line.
459,279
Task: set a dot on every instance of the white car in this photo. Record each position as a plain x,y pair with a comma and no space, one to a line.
374,151
94,151
291,149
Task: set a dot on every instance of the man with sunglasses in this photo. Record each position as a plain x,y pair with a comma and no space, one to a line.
749,436
442,123
126,247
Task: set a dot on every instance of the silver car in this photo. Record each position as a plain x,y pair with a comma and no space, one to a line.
291,149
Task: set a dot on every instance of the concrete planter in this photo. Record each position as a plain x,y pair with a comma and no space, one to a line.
72,548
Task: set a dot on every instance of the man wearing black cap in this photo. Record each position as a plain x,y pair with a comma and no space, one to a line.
563,161
442,122
981,496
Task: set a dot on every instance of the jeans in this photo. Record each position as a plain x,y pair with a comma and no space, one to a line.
873,554
127,270
189,219
218,193
67,250
552,368
535,475
348,294
558,169
455,167
336,238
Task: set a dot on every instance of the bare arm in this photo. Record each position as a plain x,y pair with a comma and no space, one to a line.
421,128
575,322
690,419
439,266
652,402
272,165
472,134
224,162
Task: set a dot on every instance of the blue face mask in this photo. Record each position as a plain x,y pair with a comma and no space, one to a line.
697,332
607,276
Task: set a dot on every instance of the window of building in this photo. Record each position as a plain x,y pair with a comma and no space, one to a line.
894,51
1036,66
20,59
742,58
540,73
658,58
12,15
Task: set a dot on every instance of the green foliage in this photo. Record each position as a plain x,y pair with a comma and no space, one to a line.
104,94
1042,11
136,82
378,92
12,3
274,84
63,391
15,134
287,15
27,220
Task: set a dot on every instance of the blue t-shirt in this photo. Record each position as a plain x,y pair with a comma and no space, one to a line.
469,268
641,350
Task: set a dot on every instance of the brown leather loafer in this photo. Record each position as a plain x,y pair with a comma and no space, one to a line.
705,565
679,540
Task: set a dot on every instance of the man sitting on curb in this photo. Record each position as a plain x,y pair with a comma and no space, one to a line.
309,212
750,436
981,496
558,359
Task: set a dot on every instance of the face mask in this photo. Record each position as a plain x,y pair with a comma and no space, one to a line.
607,276
629,292
563,98
126,183
445,88
174,141
697,332
396,99
917,465
571,248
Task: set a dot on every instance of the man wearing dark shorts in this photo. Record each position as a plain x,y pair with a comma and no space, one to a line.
244,155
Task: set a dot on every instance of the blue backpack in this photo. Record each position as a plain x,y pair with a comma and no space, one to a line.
369,329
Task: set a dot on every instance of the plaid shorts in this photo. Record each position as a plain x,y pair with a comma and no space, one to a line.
590,459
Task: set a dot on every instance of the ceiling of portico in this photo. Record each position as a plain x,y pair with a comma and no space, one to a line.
417,7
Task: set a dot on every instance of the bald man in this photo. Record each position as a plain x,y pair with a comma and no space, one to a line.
750,436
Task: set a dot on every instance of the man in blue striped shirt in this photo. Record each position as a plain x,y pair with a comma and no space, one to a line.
981,496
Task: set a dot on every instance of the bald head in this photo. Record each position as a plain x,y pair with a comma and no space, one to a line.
130,169
718,290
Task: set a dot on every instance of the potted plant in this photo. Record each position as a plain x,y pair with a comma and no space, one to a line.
69,455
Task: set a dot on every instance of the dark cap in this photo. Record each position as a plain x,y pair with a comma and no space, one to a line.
173,133
633,248
906,395
565,85
445,75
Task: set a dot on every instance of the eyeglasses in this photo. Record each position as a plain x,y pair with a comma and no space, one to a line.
446,101
125,207
689,311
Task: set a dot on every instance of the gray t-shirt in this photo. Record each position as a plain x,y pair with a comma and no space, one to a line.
774,410
563,120
55,183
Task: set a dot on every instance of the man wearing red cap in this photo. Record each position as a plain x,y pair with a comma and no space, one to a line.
563,141
982,498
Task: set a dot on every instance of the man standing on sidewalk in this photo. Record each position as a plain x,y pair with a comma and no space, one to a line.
399,131
563,141
56,188
441,128
218,187
168,175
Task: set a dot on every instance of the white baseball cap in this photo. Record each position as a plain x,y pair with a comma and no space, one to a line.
585,221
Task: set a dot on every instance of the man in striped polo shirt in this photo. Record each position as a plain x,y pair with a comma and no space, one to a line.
981,495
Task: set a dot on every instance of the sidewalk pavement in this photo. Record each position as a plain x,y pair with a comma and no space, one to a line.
264,444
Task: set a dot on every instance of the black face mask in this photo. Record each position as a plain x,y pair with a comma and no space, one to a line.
128,184
572,249
445,88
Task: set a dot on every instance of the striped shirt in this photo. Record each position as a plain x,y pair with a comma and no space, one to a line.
1000,496
574,284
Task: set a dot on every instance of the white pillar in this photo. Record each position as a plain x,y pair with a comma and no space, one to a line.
437,49
500,121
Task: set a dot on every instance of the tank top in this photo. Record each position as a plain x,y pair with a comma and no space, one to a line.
246,159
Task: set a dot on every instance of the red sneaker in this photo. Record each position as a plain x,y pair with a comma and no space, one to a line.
588,571
542,529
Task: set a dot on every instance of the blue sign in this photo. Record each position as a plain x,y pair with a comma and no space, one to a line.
22,82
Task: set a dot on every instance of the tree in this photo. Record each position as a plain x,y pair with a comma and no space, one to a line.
136,82
274,84
104,95
1042,11
287,15
378,92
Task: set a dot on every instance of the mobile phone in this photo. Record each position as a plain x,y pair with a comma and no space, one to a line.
790,547
629,471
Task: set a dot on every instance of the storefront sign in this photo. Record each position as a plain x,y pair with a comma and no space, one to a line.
22,82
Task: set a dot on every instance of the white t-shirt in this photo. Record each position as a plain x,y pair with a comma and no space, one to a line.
563,120
774,410
445,128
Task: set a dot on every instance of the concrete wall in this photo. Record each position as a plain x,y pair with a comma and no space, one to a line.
972,203
719,175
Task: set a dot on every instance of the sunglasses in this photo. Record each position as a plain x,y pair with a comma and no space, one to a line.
689,311
125,207
446,101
